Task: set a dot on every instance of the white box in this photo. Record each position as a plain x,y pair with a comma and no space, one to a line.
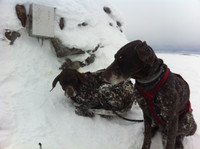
41,21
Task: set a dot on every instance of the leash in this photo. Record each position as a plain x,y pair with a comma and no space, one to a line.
115,112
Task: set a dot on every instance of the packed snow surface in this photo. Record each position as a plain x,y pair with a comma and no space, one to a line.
30,114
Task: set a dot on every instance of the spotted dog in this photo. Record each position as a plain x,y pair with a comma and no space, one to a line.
162,95
89,91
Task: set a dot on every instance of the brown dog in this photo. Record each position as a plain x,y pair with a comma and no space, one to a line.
89,91
162,95
70,80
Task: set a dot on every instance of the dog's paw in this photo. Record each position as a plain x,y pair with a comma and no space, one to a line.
84,112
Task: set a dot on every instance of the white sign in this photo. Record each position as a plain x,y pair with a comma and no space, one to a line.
42,21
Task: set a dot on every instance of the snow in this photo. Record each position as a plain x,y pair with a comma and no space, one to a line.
30,114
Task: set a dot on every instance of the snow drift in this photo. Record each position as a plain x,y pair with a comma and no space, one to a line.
30,114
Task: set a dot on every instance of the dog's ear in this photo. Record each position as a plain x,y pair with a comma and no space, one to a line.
55,82
145,53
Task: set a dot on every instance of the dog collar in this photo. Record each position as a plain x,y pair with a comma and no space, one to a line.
152,79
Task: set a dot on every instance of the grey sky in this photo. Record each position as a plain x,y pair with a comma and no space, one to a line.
164,24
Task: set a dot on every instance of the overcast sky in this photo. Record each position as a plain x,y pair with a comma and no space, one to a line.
164,24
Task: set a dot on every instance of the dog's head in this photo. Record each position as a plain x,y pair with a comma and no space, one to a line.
69,80
130,61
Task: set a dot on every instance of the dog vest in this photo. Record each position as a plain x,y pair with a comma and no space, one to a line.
150,96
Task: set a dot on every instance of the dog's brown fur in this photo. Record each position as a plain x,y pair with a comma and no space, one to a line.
89,91
137,60
69,80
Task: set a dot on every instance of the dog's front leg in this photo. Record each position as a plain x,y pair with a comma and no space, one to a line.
147,132
83,111
172,132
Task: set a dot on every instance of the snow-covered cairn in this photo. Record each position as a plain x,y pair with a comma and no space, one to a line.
79,30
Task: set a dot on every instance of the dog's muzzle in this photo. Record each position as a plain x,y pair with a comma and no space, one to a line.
70,92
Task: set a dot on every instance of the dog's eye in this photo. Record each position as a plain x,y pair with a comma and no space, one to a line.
120,57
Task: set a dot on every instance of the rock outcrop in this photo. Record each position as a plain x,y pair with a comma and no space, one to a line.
21,14
11,35
62,23
62,50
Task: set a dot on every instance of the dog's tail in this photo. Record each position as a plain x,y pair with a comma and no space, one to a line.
55,82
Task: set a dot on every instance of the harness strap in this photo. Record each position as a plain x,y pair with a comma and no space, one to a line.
149,96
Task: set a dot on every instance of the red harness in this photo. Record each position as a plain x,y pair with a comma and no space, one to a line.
149,98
